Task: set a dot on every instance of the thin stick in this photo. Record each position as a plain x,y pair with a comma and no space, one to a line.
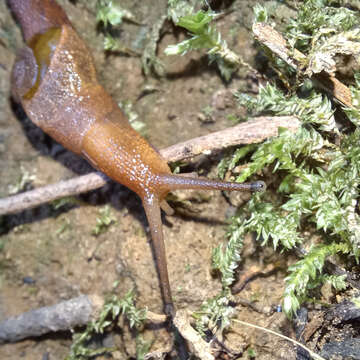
201,348
252,131
312,353
62,316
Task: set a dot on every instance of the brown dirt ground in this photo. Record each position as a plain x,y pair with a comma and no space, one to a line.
57,248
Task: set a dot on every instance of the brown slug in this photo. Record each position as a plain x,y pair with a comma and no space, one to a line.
54,79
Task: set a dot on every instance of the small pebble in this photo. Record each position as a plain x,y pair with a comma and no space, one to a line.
28,280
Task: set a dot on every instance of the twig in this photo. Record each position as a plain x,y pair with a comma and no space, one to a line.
251,275
63,316
201,348
312,353
78,311
52,192
155,318
252,131
59,317
274,41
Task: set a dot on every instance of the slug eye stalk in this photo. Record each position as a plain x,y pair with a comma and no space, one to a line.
175,182
258,186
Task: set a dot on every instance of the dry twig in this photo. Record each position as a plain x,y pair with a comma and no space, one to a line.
59,317
79,311
201,348
62,316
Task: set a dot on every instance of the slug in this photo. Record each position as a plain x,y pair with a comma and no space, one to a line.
54,79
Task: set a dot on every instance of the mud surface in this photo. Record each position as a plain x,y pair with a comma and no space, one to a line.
50,255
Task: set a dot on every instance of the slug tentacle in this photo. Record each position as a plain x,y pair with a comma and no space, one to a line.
175,182
151,205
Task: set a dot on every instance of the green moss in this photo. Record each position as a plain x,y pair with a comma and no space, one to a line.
203,36
104,221
112,309
317,169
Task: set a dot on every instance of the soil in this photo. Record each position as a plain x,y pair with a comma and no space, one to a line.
48,255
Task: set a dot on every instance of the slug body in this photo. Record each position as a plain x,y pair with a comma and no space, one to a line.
54,78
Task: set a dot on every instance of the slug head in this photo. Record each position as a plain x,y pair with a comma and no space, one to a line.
37,16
